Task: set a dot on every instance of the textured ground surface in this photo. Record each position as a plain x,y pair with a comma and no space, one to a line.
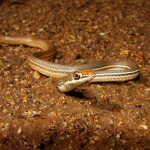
35,115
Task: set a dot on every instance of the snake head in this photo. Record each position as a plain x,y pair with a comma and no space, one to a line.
75,79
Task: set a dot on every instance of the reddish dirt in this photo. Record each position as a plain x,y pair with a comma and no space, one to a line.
35,115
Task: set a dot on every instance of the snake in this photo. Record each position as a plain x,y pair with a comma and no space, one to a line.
71,77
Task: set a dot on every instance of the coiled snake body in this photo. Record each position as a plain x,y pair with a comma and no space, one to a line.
70,77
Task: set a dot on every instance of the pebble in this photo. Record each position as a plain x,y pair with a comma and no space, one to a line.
102,33
15,27
41,29
52,114
125,52
36,75
142,126
19,130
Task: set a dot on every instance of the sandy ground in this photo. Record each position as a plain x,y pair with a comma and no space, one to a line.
35,115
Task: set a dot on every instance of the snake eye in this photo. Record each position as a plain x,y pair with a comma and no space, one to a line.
77,76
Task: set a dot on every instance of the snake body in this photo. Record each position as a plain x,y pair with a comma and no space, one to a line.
70,77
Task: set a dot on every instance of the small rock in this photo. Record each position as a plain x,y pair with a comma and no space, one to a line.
36,75
40,29
125,52
19,130
15,27
142,126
